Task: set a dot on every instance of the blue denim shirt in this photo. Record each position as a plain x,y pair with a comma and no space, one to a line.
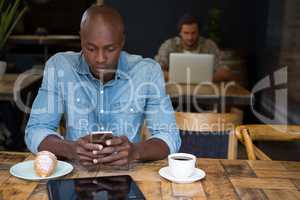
69,90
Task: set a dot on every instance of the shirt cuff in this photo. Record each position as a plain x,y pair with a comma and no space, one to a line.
173,144
38,135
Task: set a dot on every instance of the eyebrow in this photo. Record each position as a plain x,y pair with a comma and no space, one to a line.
105,46
91,44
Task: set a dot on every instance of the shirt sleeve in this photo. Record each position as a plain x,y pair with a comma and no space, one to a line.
212,48
160,118
46,110
162,56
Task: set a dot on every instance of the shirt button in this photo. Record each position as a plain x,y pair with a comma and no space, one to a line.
101,111
101,92
77,99
102,128
131,109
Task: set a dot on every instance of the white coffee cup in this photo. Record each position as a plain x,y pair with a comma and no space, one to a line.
181,165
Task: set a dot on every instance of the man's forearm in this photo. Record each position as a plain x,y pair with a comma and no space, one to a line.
58,146
152,149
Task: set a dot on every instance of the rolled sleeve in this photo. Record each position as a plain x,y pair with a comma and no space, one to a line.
46,110
35,136
169,136
160,116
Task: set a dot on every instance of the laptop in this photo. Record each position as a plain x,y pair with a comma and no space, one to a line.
191,68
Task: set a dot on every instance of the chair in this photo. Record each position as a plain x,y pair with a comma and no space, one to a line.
209,134
246,134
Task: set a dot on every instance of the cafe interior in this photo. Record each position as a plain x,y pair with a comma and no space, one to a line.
240,136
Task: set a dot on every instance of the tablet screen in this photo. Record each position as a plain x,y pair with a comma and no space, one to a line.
111,187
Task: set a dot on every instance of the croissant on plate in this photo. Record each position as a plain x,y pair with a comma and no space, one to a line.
45,163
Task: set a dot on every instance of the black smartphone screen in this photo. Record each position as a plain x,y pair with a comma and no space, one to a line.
110,187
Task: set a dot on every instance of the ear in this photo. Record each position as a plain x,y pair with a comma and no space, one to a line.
180,35
81,41
80,35
123,41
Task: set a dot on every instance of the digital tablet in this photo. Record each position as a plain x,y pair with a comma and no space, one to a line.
110,187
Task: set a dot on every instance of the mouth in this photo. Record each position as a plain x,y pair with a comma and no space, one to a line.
103,69
100,66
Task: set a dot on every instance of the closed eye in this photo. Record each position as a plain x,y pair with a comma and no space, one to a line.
90,49
111,48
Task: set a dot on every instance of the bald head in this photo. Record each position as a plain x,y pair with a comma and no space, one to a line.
102,16
102,40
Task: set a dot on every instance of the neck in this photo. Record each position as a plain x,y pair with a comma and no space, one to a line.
108,78
104,78
188,47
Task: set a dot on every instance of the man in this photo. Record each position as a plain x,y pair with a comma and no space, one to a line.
102,88
189,41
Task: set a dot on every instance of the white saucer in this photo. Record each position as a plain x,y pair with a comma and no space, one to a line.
197,175
25,170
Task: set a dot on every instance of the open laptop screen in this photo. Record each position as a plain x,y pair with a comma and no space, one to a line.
191,68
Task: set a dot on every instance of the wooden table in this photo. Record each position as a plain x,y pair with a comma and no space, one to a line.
225,179
10,83
222,94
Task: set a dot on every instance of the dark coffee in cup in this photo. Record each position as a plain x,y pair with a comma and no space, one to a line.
181,158
181,165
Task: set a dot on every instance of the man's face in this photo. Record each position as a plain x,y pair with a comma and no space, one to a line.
189,34
101,46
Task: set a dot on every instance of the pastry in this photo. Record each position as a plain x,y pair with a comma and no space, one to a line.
45,163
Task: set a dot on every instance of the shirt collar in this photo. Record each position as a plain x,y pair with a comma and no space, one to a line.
122,68
83,68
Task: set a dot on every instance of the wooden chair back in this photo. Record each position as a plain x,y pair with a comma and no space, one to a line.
209,134
246,134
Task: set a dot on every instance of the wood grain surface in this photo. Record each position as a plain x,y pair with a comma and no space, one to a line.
225,179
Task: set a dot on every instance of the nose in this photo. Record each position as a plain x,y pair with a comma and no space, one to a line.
189,36
101,57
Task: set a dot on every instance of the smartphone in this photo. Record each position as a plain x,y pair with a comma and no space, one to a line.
99,137
109,187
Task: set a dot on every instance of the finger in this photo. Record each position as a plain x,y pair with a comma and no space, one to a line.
97,154
84,158
113,157
112,149
80,151
83,152
108,150
116,141
120,162
86,163
91,146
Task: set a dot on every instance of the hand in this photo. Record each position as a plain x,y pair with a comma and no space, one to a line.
225,74
119,151
84,151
